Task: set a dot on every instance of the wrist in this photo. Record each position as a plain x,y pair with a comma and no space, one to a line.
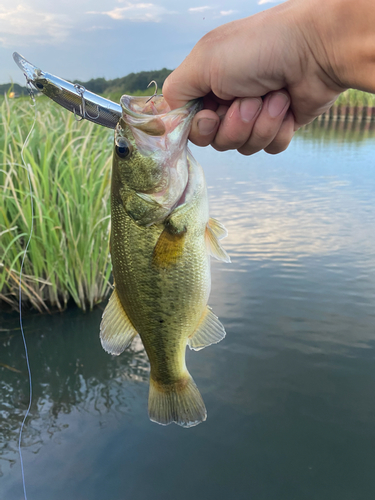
341,35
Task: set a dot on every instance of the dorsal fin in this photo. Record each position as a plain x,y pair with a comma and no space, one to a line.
209,331
116,329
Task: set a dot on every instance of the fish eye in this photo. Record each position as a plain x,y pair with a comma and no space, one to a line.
123,148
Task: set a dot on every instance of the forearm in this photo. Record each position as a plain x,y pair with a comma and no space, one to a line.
341,34
307,50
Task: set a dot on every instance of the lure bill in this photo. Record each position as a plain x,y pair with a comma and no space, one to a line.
73,97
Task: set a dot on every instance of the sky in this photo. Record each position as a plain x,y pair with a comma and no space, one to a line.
83,39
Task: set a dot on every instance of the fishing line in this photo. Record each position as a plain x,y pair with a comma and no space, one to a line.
28,169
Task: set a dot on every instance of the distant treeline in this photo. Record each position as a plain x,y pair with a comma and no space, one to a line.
12,87
136,83
126,85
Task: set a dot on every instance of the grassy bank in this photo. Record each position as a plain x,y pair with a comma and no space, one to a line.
352,97
68,257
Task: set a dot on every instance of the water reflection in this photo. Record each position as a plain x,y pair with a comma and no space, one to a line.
312,200
355,131
289,392
71,373
301,242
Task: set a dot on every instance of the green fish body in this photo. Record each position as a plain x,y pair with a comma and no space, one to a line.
161,242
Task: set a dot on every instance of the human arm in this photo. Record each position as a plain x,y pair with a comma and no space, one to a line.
305,52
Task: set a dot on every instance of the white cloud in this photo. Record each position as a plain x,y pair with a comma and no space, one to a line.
227,12
21,21
200,9
262,2
143,12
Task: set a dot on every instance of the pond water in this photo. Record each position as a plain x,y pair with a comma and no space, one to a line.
290,392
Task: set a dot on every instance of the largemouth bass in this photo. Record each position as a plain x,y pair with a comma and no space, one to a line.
161,242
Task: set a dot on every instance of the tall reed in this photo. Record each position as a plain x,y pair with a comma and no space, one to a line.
353,97
68,256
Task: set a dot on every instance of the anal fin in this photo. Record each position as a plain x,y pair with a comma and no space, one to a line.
209,331
116,329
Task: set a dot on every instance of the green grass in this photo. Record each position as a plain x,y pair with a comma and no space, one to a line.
353,97
68,257
70,162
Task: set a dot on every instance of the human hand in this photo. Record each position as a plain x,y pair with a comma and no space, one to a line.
278,54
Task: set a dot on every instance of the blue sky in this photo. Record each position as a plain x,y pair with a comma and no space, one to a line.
86,39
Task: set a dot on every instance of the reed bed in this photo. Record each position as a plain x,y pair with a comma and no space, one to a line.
352,105
353,97
68,256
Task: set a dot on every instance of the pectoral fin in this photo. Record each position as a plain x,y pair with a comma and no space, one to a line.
168,249
209,331
213,245
116,329
217,228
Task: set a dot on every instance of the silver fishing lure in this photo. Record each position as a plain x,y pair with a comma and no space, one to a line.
73,97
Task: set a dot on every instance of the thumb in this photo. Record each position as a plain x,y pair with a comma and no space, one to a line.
183,85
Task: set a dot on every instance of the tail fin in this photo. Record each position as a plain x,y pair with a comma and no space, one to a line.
179,402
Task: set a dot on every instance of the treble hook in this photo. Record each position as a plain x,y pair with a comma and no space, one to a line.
30,89
156,90
84,113
75,115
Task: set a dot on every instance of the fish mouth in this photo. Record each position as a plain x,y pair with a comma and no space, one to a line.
155,105
162,134
154,117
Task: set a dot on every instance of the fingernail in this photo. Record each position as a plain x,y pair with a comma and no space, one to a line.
277,103
249,107
206,126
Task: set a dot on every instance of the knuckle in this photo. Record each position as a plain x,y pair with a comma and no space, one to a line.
224,145
167,84
247,151
219,148
231,137
235,139
198,140
278,145
274,149
264,135
230,143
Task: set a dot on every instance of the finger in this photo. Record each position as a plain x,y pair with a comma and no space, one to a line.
268,123
204,127
206,123
237,124
284,135
185,83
